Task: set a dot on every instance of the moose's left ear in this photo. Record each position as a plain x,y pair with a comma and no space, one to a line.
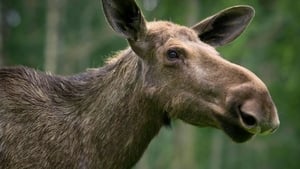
225,26
125,17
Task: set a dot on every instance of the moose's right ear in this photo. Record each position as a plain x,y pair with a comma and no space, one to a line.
225,26
125,17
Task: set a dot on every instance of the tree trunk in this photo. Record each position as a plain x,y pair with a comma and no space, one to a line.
216,151
184,147
1,36
52,34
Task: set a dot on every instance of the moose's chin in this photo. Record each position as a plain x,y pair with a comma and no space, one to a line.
236,133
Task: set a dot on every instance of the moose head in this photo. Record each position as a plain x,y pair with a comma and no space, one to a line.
188,78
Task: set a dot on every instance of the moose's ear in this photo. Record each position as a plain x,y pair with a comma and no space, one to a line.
125,17
225,26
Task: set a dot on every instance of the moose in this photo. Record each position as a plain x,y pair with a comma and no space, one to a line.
105,117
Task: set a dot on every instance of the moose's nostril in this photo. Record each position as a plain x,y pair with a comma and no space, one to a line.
248,119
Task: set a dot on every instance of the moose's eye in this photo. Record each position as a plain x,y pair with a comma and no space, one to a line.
172,54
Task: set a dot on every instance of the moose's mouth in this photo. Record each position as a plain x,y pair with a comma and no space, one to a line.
237,133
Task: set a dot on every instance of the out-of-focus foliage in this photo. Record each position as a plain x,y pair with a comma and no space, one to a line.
269,48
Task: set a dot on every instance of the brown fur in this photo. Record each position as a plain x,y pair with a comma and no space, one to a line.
105,117
91,120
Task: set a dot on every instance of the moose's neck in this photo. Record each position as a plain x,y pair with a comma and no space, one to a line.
125,119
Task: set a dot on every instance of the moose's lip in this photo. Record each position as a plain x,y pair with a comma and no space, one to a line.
237,133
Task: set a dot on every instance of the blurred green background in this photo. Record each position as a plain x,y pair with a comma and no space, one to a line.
68,36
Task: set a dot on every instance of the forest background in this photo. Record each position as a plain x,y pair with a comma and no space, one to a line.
68,36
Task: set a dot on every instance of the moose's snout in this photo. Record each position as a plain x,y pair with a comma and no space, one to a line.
258,117
254,109
251,110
